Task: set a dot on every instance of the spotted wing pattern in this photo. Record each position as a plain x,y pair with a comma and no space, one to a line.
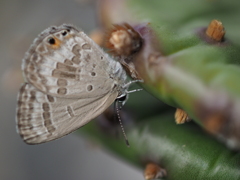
42,117
64,62
69,81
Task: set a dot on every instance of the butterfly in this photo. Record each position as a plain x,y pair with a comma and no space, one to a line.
70,80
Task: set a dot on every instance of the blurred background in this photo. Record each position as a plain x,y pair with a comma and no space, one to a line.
72,157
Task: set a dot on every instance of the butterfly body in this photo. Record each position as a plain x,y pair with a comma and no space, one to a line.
69,81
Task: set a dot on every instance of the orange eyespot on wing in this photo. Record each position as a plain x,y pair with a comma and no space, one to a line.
53,42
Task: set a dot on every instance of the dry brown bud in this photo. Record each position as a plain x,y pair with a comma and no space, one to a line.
181,116
123,40
216,30
154,171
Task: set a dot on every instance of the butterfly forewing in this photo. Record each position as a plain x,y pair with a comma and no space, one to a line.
42,118
66,63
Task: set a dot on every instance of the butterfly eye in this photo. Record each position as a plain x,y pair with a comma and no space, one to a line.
64,33
51,40
123,98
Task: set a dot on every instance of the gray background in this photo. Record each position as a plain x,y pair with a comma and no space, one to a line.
71,157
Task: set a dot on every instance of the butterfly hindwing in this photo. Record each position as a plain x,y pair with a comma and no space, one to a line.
41,117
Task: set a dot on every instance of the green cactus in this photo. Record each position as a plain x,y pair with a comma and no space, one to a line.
184,68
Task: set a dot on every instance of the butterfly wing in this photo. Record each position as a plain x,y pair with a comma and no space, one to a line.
42,118
64,62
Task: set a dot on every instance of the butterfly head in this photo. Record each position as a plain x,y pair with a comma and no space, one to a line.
122,98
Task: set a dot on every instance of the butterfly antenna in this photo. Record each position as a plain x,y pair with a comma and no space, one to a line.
135,90
120,122
134,81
